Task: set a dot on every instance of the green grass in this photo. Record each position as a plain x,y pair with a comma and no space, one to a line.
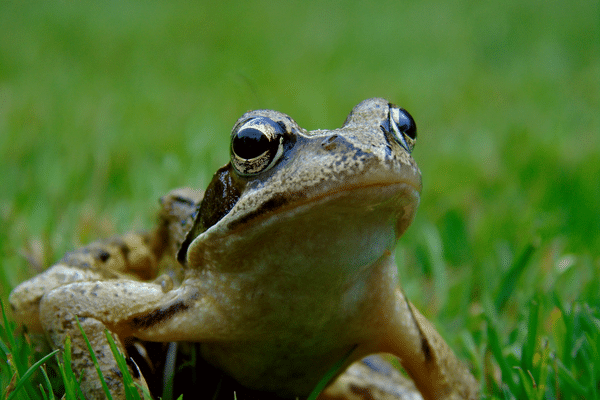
104,107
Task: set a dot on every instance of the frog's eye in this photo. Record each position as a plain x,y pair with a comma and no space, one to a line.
403,127
256,145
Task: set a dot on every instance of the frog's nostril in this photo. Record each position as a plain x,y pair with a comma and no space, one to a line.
330,143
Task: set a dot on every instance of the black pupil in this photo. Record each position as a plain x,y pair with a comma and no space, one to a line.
250,143
407,124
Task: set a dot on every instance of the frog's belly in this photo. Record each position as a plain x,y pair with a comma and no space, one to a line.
282,368
285,341
289,348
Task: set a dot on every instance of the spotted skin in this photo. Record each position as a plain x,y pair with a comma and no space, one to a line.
280,268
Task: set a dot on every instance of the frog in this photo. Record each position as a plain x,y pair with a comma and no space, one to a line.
283,267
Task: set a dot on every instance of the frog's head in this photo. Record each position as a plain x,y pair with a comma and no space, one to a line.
298,199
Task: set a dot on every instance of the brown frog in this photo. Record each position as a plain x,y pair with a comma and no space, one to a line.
282,267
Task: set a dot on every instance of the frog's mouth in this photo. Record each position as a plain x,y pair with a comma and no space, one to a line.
349,226
372,180
232,208
378,193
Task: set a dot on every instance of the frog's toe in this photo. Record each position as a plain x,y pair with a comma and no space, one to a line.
371,378
96,307
81,361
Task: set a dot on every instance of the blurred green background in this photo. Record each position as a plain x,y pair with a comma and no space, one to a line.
106,106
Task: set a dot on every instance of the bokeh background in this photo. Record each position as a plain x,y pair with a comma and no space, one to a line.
104,106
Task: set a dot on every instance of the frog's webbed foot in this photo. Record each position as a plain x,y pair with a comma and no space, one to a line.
430,362
372,378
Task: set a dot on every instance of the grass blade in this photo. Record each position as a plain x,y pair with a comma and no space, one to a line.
28,373
530,343
48,386
95,361
130,386
574,385
511,279
71,384
9,337
333,371
496,349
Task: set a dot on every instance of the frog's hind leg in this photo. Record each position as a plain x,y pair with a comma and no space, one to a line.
128,255
372,378
133,255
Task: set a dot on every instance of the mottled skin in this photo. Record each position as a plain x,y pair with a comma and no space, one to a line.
284,266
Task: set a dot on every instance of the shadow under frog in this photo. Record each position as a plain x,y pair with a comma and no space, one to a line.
281,268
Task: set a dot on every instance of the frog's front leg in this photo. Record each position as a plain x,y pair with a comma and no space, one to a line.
434,367
127,309
129,255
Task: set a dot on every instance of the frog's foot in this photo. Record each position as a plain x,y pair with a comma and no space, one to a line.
127,309
81,362
60,312
373,378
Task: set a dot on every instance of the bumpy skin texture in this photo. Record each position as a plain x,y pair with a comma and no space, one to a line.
282,268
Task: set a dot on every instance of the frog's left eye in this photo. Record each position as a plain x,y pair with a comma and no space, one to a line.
256,145
403,127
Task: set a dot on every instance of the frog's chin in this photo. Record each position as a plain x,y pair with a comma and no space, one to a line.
343,231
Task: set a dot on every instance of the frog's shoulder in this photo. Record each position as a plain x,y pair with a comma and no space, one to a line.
178,210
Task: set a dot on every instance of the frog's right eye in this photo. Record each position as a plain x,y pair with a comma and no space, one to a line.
256,145
402,127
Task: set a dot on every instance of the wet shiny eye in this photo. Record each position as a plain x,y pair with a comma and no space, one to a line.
404,121
403,127
256,145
